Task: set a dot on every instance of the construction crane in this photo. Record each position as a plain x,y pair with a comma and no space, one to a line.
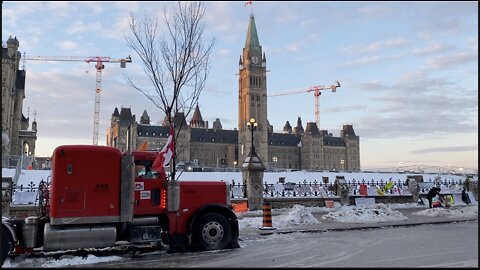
316,92
99,66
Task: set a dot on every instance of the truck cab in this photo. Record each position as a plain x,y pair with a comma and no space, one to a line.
99,196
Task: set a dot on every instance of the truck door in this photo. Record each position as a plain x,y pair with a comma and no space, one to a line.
150,197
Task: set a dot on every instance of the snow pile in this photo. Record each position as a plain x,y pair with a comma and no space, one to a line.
377,213
466,212
51,262
295,216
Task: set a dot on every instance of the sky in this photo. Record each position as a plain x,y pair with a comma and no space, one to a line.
282,218
408,71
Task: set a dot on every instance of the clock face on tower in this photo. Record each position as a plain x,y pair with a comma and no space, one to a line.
254,59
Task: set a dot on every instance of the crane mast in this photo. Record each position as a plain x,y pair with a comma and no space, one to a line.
316,92
99,66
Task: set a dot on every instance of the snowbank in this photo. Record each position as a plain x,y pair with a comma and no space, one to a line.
295,216
22,262
468,211
377,213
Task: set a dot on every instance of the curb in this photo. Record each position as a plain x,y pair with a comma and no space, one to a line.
369,227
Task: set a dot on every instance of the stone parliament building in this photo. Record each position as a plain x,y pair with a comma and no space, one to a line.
15,126
295,148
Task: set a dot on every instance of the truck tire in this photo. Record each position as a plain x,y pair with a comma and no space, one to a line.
7,244
212,232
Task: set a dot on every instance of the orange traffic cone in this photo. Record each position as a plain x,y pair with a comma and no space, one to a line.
267,217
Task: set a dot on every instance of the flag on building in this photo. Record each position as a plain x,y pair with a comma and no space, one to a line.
163,158
248,3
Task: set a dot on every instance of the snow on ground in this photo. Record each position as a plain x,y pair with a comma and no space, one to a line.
295,216
359,214
468,211
301,215
64,261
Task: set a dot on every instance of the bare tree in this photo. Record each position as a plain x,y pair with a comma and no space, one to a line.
176,62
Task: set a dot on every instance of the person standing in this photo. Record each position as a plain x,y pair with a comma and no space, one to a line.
465,198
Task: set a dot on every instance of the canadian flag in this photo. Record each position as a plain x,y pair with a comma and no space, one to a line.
163,158
248,3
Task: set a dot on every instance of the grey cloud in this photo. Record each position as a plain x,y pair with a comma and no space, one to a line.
451,60
431,49
348,108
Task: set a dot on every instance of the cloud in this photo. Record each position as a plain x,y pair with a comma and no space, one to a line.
366,60
284,15
447,61
375,46
81,27
59,8
396,42
417,106
95,7
431,49
293,47
375,10
12,15
67,45
447,149
348,108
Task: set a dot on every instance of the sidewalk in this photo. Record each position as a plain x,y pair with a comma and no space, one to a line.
332,225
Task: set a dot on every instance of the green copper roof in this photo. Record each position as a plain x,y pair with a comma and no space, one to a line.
252,37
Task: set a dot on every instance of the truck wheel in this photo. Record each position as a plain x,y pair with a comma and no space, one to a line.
212,231
7,244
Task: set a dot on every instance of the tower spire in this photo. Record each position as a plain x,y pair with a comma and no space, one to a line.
252,36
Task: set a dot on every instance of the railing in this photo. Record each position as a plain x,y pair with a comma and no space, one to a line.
28,194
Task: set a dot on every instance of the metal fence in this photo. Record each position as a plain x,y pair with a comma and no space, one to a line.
29,194
318,189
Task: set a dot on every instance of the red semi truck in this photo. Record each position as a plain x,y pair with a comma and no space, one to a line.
98,196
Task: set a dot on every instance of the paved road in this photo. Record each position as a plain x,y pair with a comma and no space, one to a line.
432,245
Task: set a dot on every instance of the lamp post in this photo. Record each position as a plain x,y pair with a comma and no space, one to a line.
252,125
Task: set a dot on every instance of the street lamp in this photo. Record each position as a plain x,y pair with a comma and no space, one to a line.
252,125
